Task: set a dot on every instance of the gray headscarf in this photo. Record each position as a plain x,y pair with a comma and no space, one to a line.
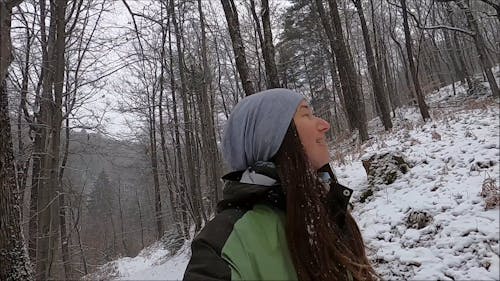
257,126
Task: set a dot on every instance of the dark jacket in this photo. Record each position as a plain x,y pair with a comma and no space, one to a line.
246,240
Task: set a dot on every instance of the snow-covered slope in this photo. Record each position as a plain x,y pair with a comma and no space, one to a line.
450,158
155,267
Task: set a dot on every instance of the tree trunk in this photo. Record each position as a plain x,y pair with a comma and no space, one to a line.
210,143
140,219
260,42
51,112
376,78
395,99
456,48
437,60
195,202
332,66
416,83
63,228
154,163
82,252
453,59
480,46
181,179
122,228
233,24
23,164
348,76
194,100
14,262
268,48
168,173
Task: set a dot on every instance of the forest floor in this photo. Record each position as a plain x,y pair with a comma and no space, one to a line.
452,158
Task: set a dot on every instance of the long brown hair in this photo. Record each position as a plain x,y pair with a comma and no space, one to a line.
320,248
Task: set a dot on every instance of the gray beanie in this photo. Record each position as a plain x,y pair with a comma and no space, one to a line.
257,126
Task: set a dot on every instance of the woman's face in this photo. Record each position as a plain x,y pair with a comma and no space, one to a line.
312,132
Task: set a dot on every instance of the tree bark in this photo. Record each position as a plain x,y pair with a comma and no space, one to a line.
122,228
181,178
260,42
480,46
376,78
63,228
456,50
453,59
168,172
195,206
154,162
233,25
268,48
210,143
14,261
348,76
496,6
416,83
51,112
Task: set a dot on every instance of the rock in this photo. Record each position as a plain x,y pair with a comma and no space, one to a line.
418,219
477,88
365,195
384,168
491,193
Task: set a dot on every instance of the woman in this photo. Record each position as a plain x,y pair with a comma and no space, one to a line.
283,216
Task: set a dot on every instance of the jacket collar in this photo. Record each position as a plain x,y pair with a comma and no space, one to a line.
257,184
260,184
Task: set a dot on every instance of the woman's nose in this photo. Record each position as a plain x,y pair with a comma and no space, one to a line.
323,125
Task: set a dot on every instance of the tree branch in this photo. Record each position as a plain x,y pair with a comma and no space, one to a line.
419,25
13,3
489,2
135,24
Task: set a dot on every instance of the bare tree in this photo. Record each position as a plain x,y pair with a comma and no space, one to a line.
178,167
484,58
211,154
194,190
233,25
376,77
268,48
14,261
424,111
348,76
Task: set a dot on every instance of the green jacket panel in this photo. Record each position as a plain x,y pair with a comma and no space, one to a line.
257,247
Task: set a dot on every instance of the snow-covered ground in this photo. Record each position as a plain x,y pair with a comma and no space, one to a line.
450,159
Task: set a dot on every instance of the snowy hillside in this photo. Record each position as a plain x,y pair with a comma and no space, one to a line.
451,158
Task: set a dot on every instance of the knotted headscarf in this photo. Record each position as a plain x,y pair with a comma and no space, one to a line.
257,126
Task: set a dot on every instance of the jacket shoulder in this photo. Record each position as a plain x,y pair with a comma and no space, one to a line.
206,261
217,231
